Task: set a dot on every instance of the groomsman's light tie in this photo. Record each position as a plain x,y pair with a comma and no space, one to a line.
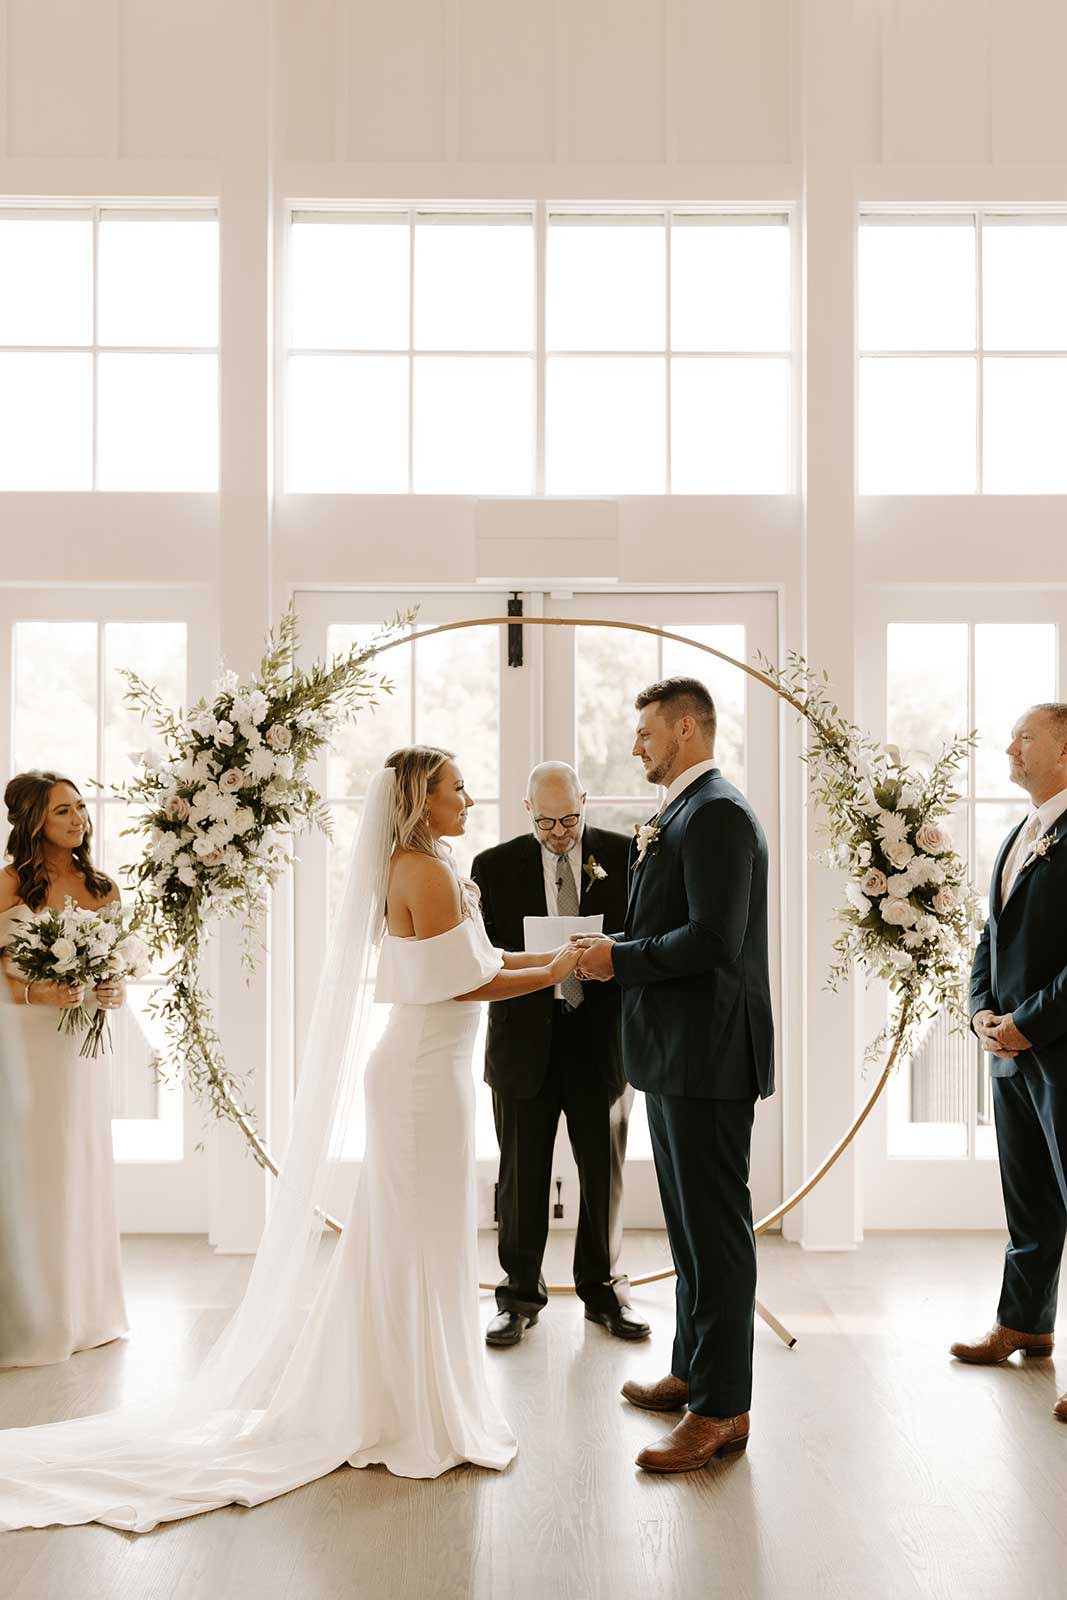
1030,834
567,906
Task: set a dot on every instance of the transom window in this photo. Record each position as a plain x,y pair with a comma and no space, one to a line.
963,354
542,351
109,337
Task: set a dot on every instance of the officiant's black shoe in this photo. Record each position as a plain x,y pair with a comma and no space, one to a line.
623,1322
508,1327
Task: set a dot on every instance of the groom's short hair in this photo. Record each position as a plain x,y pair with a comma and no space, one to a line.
680,697
1056,711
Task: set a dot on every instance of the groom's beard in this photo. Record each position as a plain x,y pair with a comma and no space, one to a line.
661,772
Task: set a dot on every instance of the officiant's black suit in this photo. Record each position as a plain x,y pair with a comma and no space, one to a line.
542,1059
698,1038
1020,966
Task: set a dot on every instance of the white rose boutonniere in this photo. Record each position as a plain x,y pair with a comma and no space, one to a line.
647,838
592,869
1040,848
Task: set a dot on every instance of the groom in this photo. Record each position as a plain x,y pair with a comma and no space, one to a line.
697,1037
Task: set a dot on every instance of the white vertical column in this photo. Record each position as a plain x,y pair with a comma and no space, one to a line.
238,1201
831,1217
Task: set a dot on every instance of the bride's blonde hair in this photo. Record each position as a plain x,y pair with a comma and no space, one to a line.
417,769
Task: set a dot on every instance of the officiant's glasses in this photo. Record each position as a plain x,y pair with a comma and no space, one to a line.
546,824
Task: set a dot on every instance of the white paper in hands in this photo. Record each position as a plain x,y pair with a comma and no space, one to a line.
543,934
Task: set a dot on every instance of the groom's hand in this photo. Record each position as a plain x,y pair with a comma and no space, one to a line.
596,959
1009,1040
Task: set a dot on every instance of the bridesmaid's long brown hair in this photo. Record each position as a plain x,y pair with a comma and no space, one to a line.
27,798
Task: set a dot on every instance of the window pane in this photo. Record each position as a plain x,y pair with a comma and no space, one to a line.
926,687
139,1043
928,1095
158,282
117,851
622,818
457,703
605,720
1025,426
917,426
1014,667
46,281
1024,269
916,286
605,425
347,425
157,651
474,425
729,286
730,426
349,285
992,824
606,286
726,684
474,286
359,748
46,422
483,831
55,699
158,423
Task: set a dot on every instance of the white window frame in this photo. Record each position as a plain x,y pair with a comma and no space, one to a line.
171,211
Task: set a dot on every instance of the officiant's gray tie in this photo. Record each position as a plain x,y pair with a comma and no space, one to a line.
567,906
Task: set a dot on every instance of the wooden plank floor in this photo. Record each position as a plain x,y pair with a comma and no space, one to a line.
877,1466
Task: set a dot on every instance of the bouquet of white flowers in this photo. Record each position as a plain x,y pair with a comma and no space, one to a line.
78,946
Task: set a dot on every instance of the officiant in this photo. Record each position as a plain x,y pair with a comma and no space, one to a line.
556,1053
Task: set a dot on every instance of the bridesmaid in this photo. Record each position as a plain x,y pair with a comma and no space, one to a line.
63,1198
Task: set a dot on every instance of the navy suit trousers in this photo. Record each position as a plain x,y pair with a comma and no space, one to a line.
702,1149
1031,1118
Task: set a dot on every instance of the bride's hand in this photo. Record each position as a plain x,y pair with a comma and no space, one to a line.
564,962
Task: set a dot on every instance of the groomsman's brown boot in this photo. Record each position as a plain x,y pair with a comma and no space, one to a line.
692,1443
1059,1410
666,1394
999,1343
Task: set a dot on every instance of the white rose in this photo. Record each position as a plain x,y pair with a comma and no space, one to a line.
244,818
945,900
231,780
224,736
278,736
187,875
899,885
875,882
283,767
202,847
64,950
899,853
932,838
898,913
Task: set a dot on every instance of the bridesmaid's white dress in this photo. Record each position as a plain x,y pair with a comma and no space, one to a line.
389,1365
63,1292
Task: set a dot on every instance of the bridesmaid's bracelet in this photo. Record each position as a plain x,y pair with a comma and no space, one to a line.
26,992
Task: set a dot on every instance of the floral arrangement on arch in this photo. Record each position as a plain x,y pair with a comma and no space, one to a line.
217,814
910,912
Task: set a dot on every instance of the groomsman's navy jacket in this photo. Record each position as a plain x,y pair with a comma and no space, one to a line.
1020,965
692,959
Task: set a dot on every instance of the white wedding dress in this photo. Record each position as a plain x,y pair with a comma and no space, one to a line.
384,1363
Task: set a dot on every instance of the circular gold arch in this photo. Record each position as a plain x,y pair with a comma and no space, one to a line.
895,1043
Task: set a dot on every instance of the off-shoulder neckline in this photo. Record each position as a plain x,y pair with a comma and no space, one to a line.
413,938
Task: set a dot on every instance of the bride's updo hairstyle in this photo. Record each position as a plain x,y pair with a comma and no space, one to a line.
27,797
417,769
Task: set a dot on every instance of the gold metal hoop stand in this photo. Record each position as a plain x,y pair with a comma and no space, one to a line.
263,1155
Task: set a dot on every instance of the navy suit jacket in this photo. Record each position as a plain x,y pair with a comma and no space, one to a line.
1020,965
692,959
518,1045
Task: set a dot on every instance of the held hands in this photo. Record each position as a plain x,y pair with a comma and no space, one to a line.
595,959
112,994
563,963
999,1035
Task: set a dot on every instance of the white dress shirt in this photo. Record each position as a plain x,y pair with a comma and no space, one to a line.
684,779
551,863
1039,821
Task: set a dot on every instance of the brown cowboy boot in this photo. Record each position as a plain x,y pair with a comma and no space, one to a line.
693,1441
666,1394
999,1343
1059,1410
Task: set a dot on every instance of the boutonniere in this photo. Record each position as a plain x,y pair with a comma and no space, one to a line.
647,839
593,870
1040,848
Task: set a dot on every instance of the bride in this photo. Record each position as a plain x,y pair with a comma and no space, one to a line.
381,1360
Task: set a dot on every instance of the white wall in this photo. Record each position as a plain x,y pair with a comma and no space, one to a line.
818,105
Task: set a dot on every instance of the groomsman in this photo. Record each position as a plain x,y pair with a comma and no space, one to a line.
1019,1013
698,1038
551,1053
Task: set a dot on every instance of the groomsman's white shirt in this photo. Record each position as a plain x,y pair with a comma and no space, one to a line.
550,861
1039,821
684,779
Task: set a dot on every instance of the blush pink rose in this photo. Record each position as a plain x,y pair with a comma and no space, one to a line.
874,882
231,780
177,808
932,838
279,737
945,900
